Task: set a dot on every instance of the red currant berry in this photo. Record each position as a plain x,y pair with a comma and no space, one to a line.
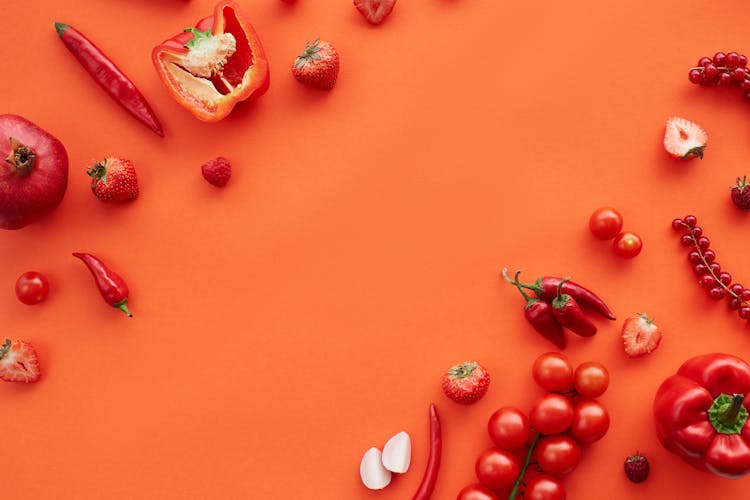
720,58
710,72
695,76
700,269
745,85
724,78
745,295
734,303
709,255
744,312
736,288
738,74
716,293
725,278
707,281
694,257
703,243
690,220
686,240
747,96
715,267
742,61
678,225
732,60
704,60
697,231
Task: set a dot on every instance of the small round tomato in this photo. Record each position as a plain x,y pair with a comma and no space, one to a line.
553,372
627,245
509,428
543,487
496,468
551,414
32,287
591,379
605,223
590,421
476,492
558,455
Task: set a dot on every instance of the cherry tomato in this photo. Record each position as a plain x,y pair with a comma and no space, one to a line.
558,455
509,428
551,414
32,287
605,223
627,245
553,372
543,487
497,468
590,421
591,379
476,492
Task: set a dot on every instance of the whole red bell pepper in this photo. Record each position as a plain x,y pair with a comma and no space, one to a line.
701,414
213,66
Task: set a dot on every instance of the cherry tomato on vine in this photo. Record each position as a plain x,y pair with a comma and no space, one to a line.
476,492
627,245
605,223
558,455
590,421
509,428
591,379
553,372
496,468
32,287
551,414
543,487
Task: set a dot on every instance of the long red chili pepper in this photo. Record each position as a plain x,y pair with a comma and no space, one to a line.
570,315
546,289
424,492
109,76
113,288
539,314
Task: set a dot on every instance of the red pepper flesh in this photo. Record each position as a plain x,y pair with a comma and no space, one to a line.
109,76
113,288
546,289
701,414
207,77
427,486
570,315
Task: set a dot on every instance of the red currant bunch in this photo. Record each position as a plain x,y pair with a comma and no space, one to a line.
723,69
717,283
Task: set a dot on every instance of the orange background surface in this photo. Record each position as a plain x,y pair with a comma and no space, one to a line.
305,313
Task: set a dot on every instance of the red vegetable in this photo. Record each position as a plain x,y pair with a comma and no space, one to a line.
701,414
546,289
424,492
113,288
109,76
32,287
539,314
570,315
34,175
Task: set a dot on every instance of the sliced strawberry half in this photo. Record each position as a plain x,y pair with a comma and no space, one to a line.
684,139
18,362
375,11
640,335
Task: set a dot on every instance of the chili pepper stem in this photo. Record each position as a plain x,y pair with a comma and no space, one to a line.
124,308
519,480
517,284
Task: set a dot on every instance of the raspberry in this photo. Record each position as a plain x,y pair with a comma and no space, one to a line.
741,194
637,468
217,171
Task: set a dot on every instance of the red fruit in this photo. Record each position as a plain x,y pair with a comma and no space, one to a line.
590,421
684,139
466,383
637,468
741,194
33,172
551,414
317,65
640,335
217,171
509,428
558,455
18,362
496,468
476,492
543,487
375,11
114,180
627,245
32,287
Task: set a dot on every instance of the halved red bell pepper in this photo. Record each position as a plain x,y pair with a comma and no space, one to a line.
701,414
215,65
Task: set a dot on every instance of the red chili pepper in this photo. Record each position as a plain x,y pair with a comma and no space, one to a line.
546,289
112,287
570,315
106,74
539,314
424,492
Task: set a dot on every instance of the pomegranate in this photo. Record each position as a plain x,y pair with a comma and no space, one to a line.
34,175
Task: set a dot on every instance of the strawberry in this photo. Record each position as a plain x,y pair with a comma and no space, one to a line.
114,180
317,66
217,171
640,335
374,10
741,194
466,383
684,139
637,468
18,362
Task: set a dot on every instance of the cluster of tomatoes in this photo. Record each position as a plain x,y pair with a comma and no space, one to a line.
606,224
531,454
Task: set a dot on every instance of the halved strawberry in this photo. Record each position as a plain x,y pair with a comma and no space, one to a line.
18,362
684,139
640,335
375,10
